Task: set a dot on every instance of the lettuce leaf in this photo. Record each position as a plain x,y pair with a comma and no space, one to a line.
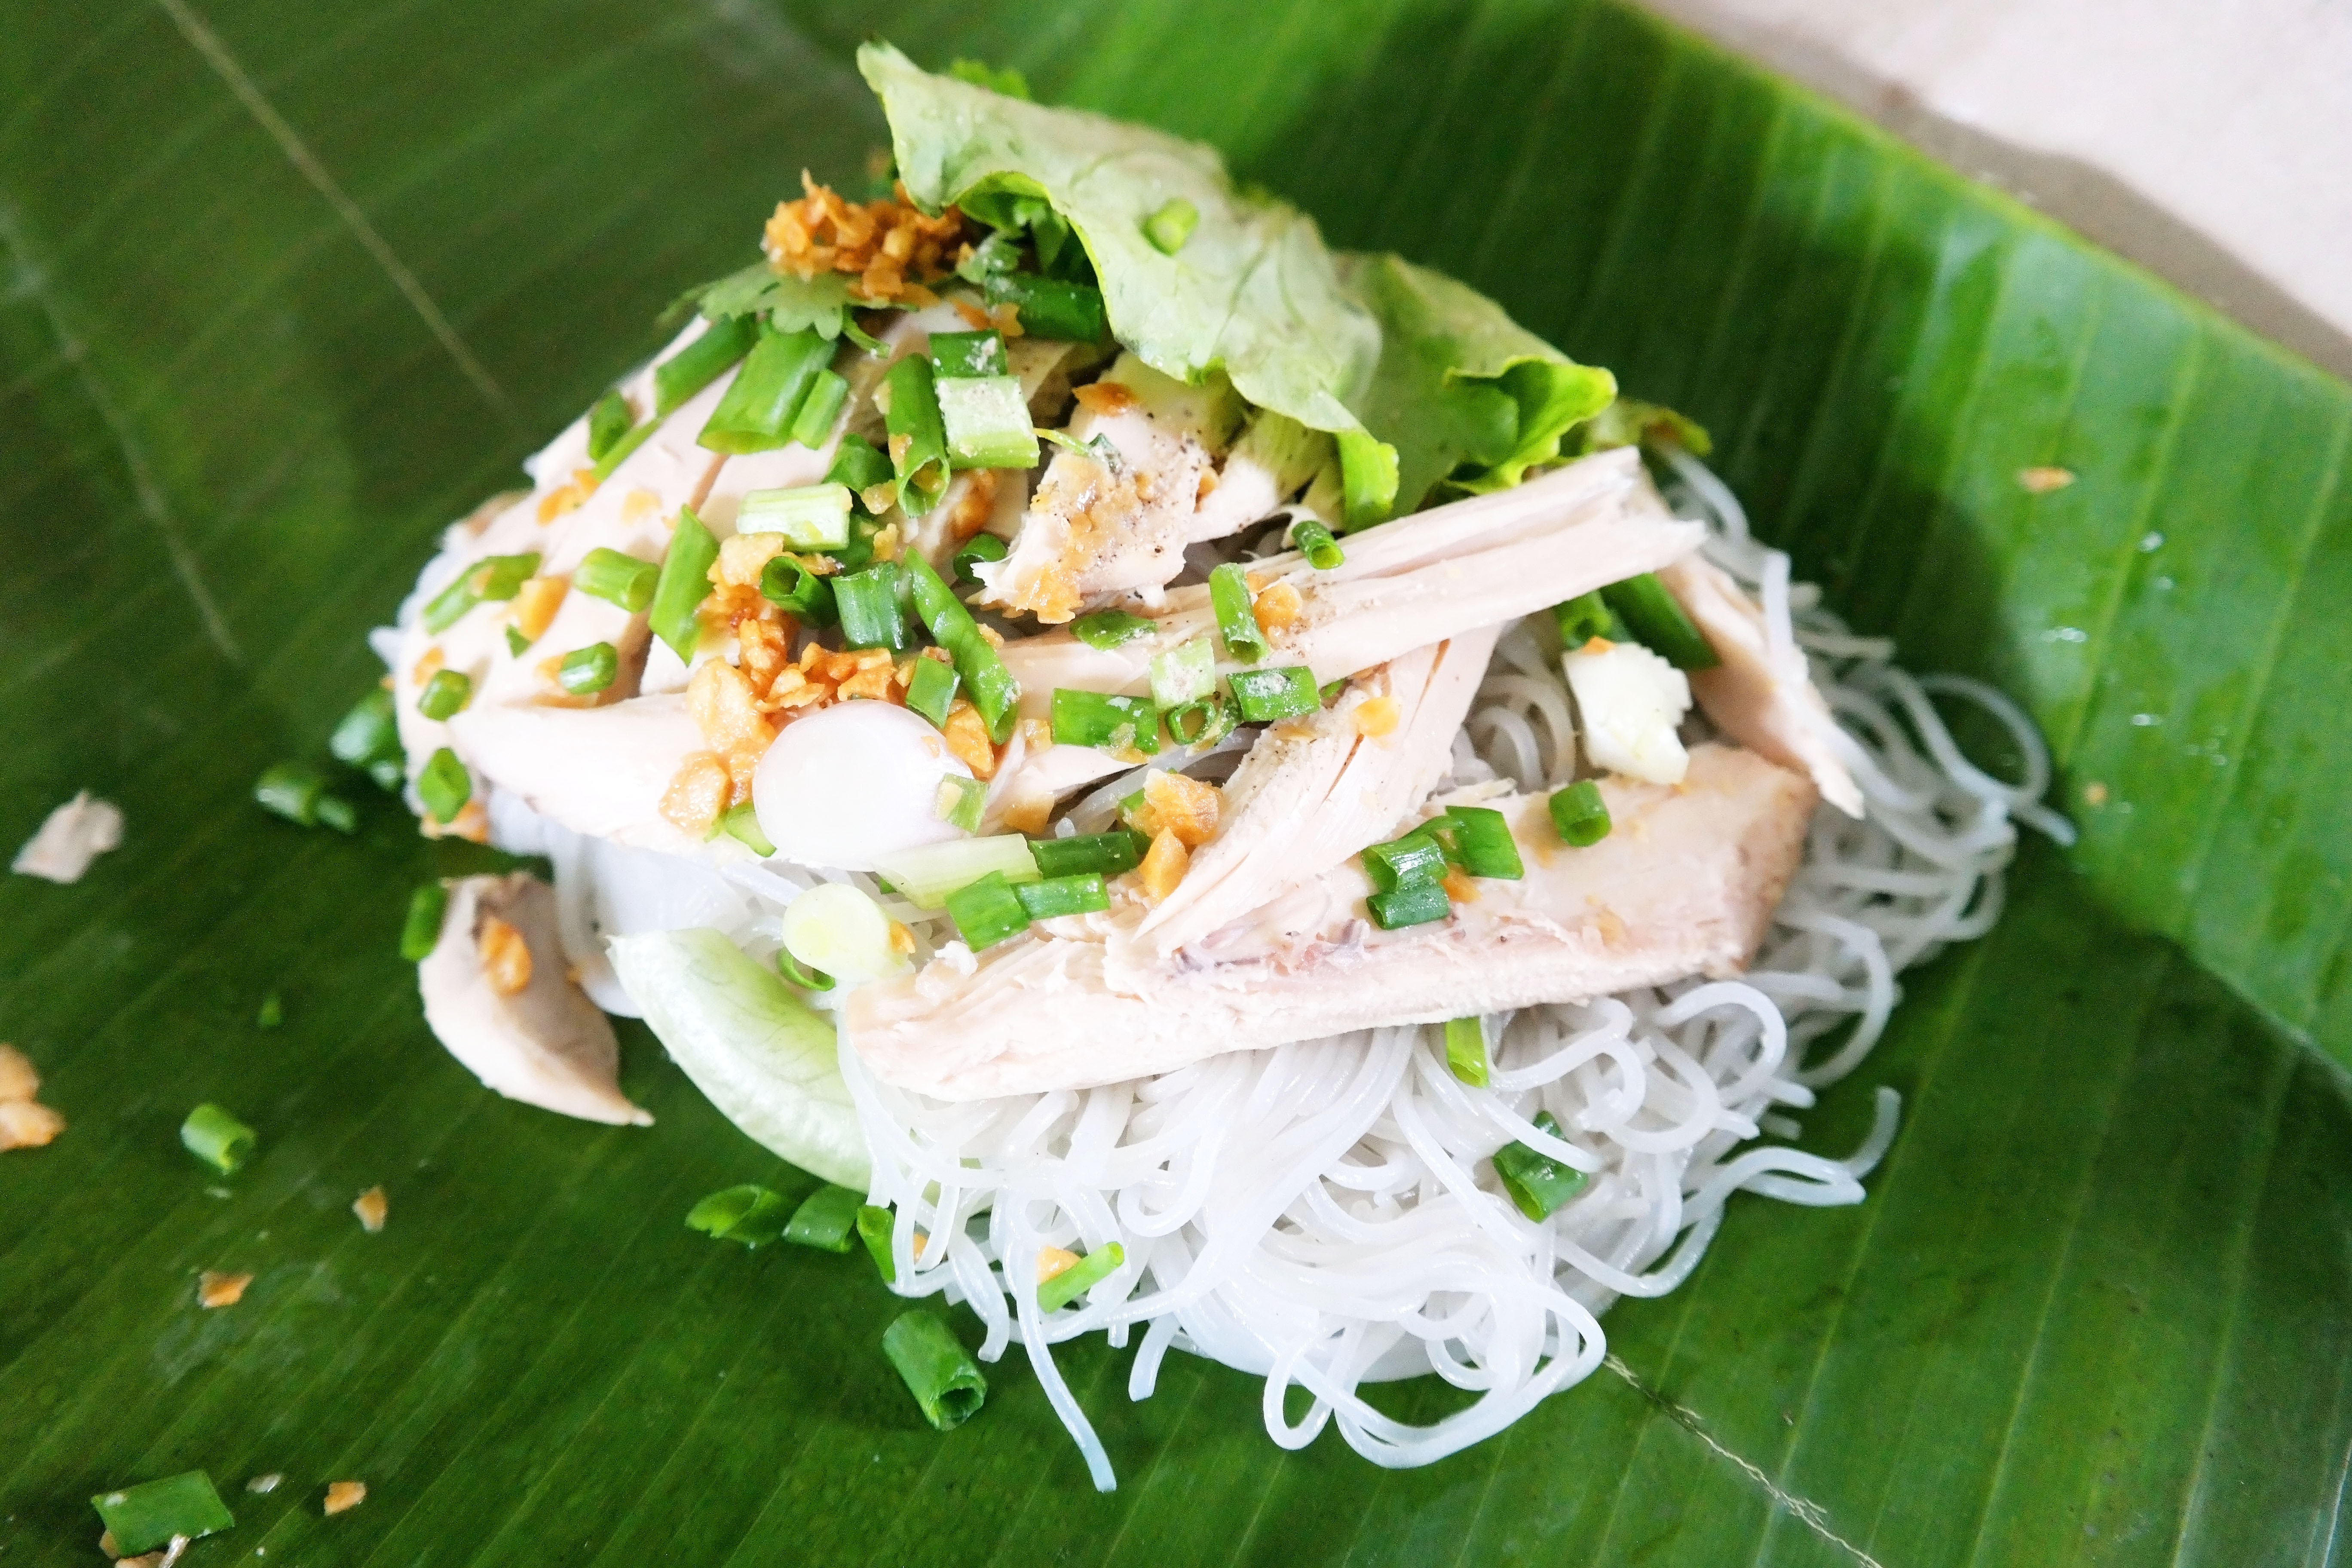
1252,292
1469,399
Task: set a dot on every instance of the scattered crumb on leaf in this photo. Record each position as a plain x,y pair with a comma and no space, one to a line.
73,836
2041,481
344,1495
261,1485
217,1289
371,1207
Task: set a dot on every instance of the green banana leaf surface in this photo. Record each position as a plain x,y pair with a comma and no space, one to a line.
283,288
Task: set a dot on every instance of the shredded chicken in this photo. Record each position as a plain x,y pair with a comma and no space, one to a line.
69,838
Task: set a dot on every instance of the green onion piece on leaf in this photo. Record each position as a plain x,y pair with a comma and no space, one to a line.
931,690
867,603
987,911
1229,593
420,932
147,1516
940,1372
1264,695
1092,719
607,423
445,695
1465,1050
588,670
298,792
1081,1277
368,737
445,786
1657,622
684,584
749,1215
1538,1184
1172,226
1415,903
1098,854
1080,893
874,1227
919,444
826,1218
1580,814
216,1138
617,578
810,517
701,362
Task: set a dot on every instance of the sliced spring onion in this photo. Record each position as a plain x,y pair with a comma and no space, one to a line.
858,464
985,421
445,786
820,410
368,737
1538,1184
517,644
298,792
1415,903
1328,692
961,801
1580,814
838,930
1586,617
1402,861
1237,625
1202,722
930,691
1263,695
796,972
1096,446
701,362
1657,622
964,356
1108,628
617,578
1092,719
873,1224
1480,838
756,412
748,1213
1098,854
445,695
1049,308
1081,1277
926,875
588,669
940,1372
919,445
1172,226
1079,893
1368,472
685,582
986,680
147,1516
810,517
1314,541
1183,674
1465,1050
491,580
797,591
987,911
607,423
741,824
421,931
828,1218
867,603
622,448
980,547
217,1138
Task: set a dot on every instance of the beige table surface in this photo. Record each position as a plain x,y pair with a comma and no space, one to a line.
2209,141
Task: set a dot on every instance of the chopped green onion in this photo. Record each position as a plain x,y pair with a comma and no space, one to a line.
1367,472
931,690
621,450
987,911
985,422
810,517
919,445
1658,622
1080,893
1108,628
1048,308
799,974
617,579
1097,446
1267,694
607,423
986,680
980,547
999,253
820,410
1201,722
150,1514
1586,617
827,1217
1092,718
1415,903
1172,226
421,931
797,591
867,603
588,669
940,1372
925,875
1098,854
1182,674
491,580
1581,815
445,786
701,362
517,644
749,1215
369,737
216,1138
1465,1050
960,356
1328,692
1481,841
685,582
1229,592
1403,861
755,414
272,1014
874,1225
1314,541
1081,1277
741,824
960,801
1537,1182
298,792
858,464
445,695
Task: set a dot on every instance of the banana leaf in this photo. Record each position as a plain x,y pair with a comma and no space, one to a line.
287,287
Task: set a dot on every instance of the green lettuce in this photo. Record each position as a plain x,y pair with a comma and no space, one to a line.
1469,399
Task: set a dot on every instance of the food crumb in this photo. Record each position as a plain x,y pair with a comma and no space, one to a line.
1375,717
344,1495
2094,794
2041,481
262,1485
24,1125
505,956
1054,1261
371,1207
217,1289
69,838
17,1078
